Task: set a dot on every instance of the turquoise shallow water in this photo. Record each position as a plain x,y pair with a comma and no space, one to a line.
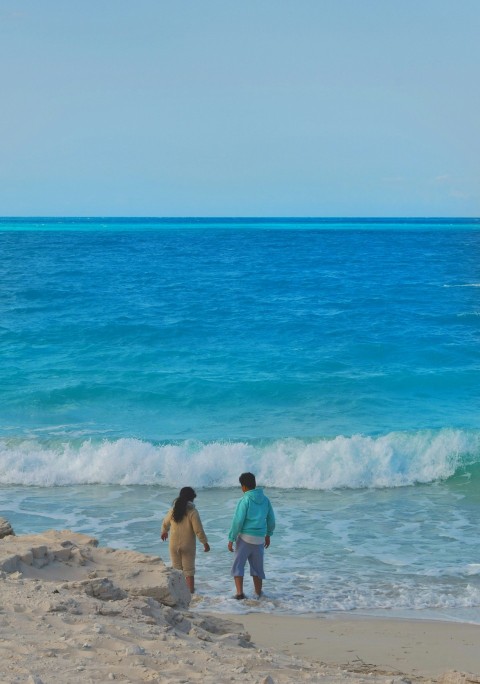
407,551
339,361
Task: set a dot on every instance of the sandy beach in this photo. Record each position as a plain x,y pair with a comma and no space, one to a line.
418,648
71,611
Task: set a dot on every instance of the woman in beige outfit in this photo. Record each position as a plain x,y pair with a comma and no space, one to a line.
184,522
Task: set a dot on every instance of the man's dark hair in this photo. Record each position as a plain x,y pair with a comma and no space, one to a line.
248,480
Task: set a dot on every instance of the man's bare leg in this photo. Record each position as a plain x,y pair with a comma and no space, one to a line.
190,583
239,585
257,583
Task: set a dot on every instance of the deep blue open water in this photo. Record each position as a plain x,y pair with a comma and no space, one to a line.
338,360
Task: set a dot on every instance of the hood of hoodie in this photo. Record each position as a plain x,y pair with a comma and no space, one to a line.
255,495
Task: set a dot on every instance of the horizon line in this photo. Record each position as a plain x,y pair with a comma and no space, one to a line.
179,219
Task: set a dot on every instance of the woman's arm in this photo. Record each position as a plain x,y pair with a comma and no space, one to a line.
198,527
166,525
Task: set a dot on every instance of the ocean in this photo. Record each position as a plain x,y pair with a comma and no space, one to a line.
338,359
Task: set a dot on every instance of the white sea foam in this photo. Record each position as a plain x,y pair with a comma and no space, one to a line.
392,460
412,599
464,285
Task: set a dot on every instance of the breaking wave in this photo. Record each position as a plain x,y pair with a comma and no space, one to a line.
396,459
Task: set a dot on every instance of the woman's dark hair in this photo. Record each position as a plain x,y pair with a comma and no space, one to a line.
180,504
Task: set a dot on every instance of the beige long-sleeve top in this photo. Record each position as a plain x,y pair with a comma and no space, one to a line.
183,533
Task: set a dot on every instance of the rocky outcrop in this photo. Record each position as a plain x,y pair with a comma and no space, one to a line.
5,528
104,573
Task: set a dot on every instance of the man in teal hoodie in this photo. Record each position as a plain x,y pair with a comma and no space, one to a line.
252,526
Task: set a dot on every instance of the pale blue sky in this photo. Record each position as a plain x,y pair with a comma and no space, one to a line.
240,108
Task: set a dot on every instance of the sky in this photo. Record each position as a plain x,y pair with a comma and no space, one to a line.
228,108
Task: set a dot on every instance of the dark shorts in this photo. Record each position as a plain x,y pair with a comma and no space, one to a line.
251,552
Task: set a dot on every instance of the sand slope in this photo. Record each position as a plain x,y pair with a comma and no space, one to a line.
71,611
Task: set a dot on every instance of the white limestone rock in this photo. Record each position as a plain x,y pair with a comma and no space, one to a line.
6,529
104,573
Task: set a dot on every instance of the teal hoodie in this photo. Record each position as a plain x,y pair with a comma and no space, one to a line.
253,515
